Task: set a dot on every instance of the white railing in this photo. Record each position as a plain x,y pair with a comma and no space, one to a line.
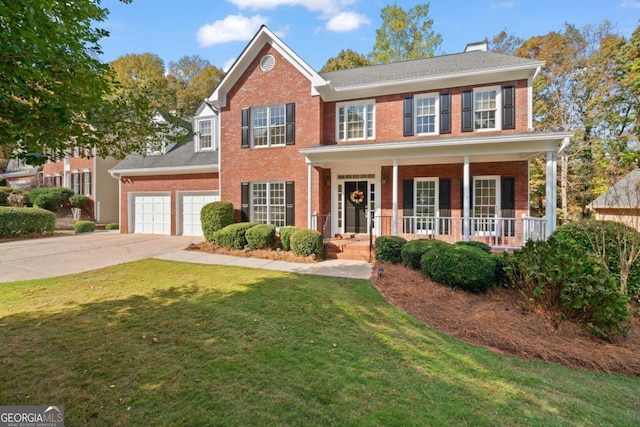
321,223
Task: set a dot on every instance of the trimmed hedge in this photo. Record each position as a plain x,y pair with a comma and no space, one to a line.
233,236
50,198
285,236
307,242
475,244
21,221
78,200
112,226
215,216
459,266
262,236
389,248
584,234
413,250
84,227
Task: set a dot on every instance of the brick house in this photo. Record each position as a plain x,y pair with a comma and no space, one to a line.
436,147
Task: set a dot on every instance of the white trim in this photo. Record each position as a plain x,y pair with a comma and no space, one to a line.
169,170
364,102
436,204
394,199
214,128
497,204
498,102
268,107
436,127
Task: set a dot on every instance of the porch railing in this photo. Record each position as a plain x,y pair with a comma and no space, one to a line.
322,223
499,233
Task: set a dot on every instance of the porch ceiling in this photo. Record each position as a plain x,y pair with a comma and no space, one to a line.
512,147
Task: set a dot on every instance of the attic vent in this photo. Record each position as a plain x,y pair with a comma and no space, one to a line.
267,62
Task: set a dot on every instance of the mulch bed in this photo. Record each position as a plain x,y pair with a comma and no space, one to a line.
252,253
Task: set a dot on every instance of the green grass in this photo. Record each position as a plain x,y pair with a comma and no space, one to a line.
239,347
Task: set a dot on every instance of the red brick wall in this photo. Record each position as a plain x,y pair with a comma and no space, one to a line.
389,111
164,184
283,84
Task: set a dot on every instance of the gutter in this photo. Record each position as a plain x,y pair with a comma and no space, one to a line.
168,170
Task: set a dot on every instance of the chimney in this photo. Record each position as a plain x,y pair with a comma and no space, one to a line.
482,46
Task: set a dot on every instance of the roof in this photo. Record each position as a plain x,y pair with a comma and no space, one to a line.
623,194
179,159
17,170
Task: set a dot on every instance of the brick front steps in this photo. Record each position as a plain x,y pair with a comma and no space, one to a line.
348,247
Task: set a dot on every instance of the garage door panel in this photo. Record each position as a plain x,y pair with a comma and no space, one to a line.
191,206
152,214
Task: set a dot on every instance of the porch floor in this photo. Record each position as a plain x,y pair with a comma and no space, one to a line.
355,248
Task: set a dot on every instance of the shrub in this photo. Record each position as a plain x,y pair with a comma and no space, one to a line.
4,196
475,244
389,248
262,236
50,198
84,227
215,216
22,221
112,226
413,250
233,236
285,236
500,277
564,282
589,235
17,200
459,266
307,242
78,200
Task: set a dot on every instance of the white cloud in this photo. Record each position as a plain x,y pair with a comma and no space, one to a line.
231,28
632,4
227,64
347,21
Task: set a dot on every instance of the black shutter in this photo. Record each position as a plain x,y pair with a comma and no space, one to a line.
444,205
508,107
244,202
508,204
290,203
407,204
467,110
407,118
291,124
245,127
445,113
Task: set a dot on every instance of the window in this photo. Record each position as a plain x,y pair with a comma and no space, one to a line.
486,197
355,121
86,182
268,126
485,109
268,203
75,181
426,114
205,135
57,180
426,204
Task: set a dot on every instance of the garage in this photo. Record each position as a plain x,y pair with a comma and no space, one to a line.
191,206
152,214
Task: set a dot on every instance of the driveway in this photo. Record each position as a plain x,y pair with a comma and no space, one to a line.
69,254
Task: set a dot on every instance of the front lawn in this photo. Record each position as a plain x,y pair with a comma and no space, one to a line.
161,343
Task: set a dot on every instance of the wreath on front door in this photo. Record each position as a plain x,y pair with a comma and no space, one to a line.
357,197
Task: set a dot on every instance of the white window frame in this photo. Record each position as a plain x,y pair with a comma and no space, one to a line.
436,115
212,145
498,109
269,205
270,126
481,226
86,186
76,184
430,225
369,106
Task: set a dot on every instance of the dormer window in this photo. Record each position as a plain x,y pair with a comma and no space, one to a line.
204,136
155,148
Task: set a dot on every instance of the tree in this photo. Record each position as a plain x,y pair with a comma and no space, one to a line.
194,79
405,35
505,43
345,60
54,92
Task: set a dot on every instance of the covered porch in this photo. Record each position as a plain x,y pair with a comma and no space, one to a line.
451,189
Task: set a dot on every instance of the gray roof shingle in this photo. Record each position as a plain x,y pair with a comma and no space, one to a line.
177,155
623,194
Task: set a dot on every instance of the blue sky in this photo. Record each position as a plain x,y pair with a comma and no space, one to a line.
218,30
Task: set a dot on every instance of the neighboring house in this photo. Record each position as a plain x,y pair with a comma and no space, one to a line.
621,202
163,191
436,147
20,175
87,176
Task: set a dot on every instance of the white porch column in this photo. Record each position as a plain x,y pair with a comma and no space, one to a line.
394,216
551,192
466,199
309,195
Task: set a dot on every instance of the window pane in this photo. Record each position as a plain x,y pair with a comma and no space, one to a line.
204,131
355,121
485,109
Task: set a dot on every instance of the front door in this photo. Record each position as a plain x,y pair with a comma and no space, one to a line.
355,214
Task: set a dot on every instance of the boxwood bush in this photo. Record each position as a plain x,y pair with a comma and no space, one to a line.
262,236
21,221
233,236
459,266
84,227
112,226
475,244
307,242
389,248
413,250
587,235
50,198
215,216
285,236
78,200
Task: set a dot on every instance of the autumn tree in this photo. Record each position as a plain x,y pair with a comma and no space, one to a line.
505,43
194,79
405,35
345,60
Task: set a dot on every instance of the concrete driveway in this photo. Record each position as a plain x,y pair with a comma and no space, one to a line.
69,254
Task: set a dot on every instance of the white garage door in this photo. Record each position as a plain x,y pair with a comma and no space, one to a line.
152,214
191,206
